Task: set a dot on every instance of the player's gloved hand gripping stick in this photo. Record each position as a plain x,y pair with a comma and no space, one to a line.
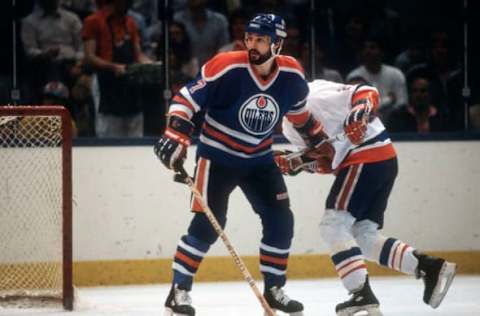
182,176
305,159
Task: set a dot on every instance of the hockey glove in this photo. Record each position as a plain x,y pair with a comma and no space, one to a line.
319,159
355,125
315,138
171,148
292,164
288,166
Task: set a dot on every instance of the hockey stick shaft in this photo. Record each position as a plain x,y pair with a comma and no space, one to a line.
182,176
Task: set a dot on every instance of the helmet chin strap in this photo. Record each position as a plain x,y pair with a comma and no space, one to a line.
279,49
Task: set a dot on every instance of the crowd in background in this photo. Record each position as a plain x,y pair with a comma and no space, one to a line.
411,51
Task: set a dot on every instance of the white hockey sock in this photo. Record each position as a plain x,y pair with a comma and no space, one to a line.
389,252
351,268
397,255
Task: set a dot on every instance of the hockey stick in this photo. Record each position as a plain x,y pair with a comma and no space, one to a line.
183,177
296,160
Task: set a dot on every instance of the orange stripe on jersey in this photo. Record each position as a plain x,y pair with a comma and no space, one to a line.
180,99
233,144
187,260
221,61
298,119
274,260
289,62
370,155
199,183
369,94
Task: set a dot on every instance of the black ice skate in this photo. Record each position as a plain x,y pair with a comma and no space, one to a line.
178,303
278,300
437,275
362,300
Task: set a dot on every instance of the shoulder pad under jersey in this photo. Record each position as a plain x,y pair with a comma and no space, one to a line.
222,63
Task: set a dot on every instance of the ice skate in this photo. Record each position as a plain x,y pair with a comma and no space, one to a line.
362,300
178,303
437,275
278,300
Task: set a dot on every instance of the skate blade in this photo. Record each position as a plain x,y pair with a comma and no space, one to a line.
445,279
169,312
368,310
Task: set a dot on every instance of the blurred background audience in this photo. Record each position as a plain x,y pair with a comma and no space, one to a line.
389,44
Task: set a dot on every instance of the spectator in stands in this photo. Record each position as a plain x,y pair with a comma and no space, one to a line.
293,44
389,80
82,100
414,53
181,58
111,44
207,29
420,115
237,21
82,8
348,45
441,68
357,80
52,44
148,9
56,93
321,71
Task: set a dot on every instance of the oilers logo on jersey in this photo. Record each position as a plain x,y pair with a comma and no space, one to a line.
259,114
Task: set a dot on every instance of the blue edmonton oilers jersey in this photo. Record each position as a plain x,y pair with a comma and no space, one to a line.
241,108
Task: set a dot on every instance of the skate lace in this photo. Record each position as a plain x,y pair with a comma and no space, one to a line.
182,297
280,296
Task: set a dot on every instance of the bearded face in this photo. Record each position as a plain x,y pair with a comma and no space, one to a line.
256,58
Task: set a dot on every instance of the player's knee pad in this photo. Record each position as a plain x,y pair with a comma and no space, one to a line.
335,229
369,239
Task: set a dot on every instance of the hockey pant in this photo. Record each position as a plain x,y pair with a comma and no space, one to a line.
354,214
265,189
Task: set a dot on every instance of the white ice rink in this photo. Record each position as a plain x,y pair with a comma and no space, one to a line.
398,296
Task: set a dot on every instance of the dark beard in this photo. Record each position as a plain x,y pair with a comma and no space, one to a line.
261,59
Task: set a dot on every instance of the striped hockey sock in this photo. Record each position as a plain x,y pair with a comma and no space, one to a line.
189,255
351,268
273,265
397,255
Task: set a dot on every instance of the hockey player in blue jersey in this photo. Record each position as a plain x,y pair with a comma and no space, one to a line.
244,95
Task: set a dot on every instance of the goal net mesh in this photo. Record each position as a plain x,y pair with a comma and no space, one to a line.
31,227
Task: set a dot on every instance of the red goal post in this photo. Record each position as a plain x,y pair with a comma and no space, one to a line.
35,205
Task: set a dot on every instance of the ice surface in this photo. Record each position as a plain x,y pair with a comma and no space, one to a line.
398,296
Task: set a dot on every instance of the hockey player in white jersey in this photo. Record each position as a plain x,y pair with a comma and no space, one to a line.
365,165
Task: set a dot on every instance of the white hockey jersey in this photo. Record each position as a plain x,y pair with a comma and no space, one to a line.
330,103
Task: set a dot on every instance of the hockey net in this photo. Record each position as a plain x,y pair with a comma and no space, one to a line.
35,206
